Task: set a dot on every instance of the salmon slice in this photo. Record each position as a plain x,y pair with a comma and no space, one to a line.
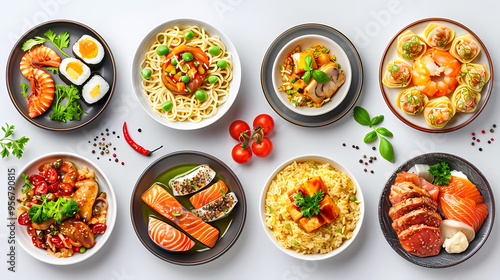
416,217
408,177
204,197
168,237
433,190
399,210
463,188
404,190
421,240
165,204
464,210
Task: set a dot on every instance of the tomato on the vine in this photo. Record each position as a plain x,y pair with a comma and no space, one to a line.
50,175
264,121
262,149
237,128
241,155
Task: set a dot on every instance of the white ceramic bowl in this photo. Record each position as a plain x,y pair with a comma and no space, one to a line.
305,42
144,46
359,196
22,236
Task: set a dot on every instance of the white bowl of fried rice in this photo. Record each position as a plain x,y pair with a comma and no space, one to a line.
331,238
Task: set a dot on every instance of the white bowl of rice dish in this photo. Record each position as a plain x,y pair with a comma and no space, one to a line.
290,236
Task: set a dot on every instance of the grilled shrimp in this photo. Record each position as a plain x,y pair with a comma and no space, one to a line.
43,92
38,57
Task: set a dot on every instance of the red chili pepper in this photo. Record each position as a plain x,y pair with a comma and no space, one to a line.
134,145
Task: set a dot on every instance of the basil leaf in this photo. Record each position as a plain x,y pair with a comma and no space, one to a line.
384,131
370,136
309,60
386,150
361,116
306,77
320,76
376,120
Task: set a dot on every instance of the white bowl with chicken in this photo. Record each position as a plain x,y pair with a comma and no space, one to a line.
330,94
83,176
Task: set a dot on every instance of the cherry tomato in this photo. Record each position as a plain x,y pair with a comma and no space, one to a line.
237,127
76,249
65,189
99,228
37,242
41,188
35,178
262,149
30,230
53,188
241,155
24,219
265,121
56,240
50,175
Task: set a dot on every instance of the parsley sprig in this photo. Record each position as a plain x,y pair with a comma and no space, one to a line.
60,41
441,173
385,147
16,147
72,110
309,205
25,88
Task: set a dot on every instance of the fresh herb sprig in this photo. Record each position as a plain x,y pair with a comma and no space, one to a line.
39,213
309,205
441,173
320,76
385,147
60,41
72,110
25,88
16,147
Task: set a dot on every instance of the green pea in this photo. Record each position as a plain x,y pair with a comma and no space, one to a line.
212,79
167,106
189,35
221,64
201,95
162,50
83,249
174,62
187,56
146,73
185,79
214,50
353,198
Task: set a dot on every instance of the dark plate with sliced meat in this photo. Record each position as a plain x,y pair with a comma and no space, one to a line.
417,216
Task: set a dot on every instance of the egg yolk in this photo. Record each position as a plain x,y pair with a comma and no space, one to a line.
95,91
88,48
74,70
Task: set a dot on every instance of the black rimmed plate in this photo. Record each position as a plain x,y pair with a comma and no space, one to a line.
443,259
14,76
266,74
168,162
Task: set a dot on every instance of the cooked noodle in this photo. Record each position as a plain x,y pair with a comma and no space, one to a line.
185,106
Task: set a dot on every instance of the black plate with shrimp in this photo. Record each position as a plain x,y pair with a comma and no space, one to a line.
39,113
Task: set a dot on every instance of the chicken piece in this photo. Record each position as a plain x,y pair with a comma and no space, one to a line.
85,196
45,225
328,210
313,223
78,231
318,92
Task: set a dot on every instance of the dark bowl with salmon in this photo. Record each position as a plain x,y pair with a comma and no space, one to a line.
416,213
167,222
14,77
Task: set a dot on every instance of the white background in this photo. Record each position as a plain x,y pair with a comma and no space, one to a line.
252,26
